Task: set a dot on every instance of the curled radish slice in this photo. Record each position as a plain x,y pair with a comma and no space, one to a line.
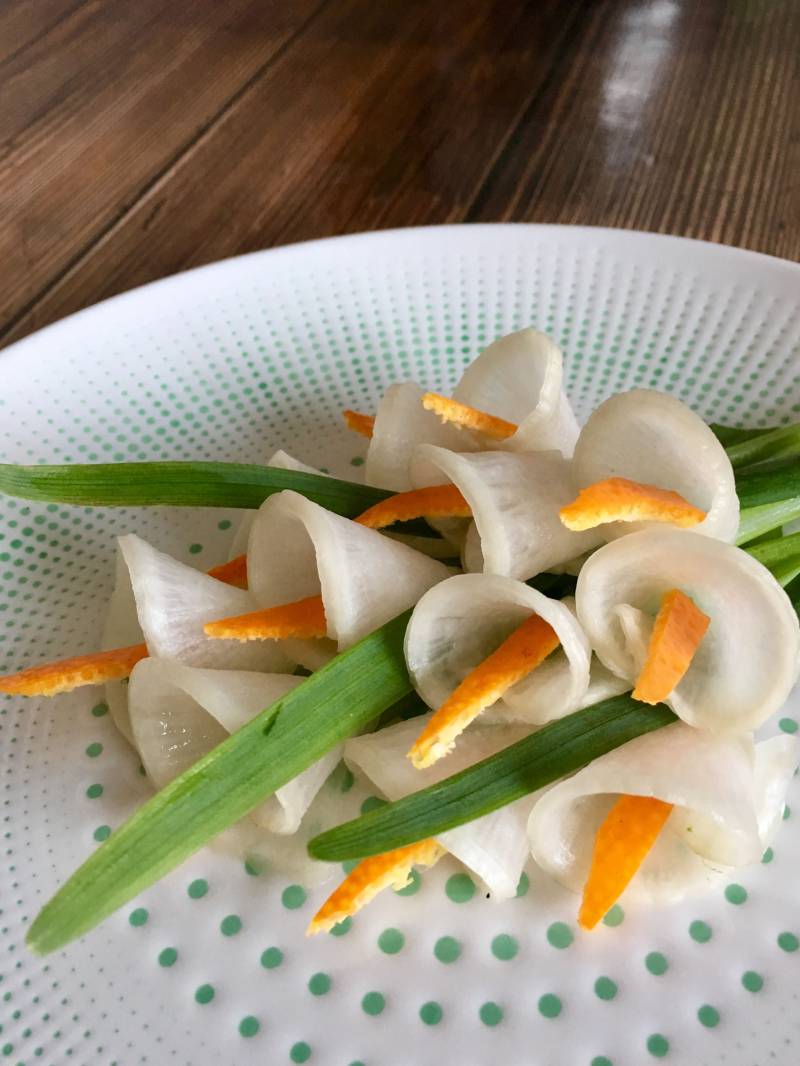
652,438
747,663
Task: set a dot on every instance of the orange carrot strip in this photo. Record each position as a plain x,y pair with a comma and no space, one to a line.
678,631
438,501
519,654
623,840
459,414
232,573
619,500
303,618
359,423
67,674
367,879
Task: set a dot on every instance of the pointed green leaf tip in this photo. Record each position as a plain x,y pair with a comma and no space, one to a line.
334,703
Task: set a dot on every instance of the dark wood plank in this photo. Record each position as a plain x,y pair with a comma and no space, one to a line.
381,114
25,21
673,117
93,111
668,115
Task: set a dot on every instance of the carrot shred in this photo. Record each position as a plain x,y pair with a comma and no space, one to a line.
459,414
303,618
520,653
677,634
359,423
437,501
621,845
68,674
616,499
233,572
367,879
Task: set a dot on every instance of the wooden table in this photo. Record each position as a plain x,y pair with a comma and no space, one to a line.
142,137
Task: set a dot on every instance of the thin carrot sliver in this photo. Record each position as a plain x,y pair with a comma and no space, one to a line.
520,653
621,845
437,501
359,423
616,499
465,417
677,634
370,877
232,573
68,674
303,618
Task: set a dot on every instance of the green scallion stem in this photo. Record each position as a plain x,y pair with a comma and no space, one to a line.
560,748
776,444
336,702
729,435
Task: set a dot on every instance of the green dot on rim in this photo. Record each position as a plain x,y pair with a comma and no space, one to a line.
391,941
373,1003
431,1013
138,917
788,725
657,1045
293,896
523,885
204,994
197,889
319,984
94,749
656,963
230,925
99,710
447,949
460,888
752,981
549,1005
559,935
605,988
94,791
414,884
167,957
490,1014
504,947
700,931
103,832
616,916
601,1060
300,1052
271,958
736,894
249,1026
708,1016
342,928
788,942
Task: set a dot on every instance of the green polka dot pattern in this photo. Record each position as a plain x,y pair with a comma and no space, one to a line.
213,964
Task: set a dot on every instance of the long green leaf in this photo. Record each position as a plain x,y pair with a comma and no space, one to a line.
777,443
756,521
729,435
770,483
339,700
781,556
181,485
559,748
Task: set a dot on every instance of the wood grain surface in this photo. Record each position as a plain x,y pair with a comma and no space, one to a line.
138,138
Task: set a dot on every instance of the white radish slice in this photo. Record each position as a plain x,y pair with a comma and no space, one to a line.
711,781
461,621
653,438
520,378
283,461
401,423
120,630
747,663
494,847
174,601
179,713
515,530
776,762
298,549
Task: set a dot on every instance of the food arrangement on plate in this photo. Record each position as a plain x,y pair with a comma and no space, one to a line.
533,639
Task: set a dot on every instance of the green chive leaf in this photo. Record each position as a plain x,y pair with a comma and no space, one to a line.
776,444
336,702
560,748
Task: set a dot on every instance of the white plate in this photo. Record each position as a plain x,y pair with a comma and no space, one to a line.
229,362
